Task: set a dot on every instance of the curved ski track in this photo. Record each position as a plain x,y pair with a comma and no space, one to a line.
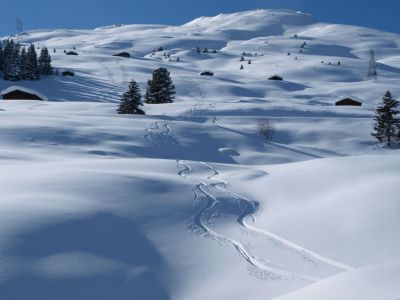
204,218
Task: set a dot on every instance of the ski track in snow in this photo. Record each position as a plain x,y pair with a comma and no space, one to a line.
109,73
159,135
203,219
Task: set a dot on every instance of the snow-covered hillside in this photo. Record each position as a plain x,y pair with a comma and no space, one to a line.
189,202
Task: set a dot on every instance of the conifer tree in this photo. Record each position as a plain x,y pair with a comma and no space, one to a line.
32,63
12,64
131,101
160,89
24,64
387,124
7,57
45,62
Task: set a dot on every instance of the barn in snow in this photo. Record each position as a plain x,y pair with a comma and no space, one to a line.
22,93
348,101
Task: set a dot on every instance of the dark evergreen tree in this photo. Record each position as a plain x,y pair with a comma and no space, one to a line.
387,124
32,63
44,63
131,101
160,89
241,67
8,47
12,64
7,56
24,64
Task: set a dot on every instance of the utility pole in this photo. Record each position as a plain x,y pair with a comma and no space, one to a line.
19,28
372,73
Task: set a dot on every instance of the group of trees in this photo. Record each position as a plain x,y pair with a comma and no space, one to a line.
387,123
160,89
23,63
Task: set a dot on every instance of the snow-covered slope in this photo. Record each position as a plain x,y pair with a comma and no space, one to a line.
189,202
376,282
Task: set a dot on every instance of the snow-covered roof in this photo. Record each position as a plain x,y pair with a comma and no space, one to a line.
349,97
25,90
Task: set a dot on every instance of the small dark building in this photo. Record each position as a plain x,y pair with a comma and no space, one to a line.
67,74
207,73
21,93
348,101
276,77
123,54
71,53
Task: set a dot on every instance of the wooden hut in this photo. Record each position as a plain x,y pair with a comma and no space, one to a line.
276,77
67,74
348,101
207,73
22,93
123,54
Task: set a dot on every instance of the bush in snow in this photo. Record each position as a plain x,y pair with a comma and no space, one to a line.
131,101
387,124
160,89
266,129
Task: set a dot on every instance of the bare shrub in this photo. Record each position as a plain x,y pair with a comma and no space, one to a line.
265,128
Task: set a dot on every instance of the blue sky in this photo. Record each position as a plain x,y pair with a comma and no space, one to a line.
383,14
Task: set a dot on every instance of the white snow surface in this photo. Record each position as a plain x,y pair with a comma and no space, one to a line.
189,201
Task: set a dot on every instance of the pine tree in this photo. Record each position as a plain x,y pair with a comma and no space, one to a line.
387,125
131,101
32,63
23,58
45,67
7,57
12,64
160,89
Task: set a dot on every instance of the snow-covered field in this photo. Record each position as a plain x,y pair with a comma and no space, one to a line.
189,202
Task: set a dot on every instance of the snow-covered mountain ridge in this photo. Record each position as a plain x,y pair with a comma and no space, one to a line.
189,201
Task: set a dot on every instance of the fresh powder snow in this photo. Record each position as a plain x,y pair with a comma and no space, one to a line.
190,201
